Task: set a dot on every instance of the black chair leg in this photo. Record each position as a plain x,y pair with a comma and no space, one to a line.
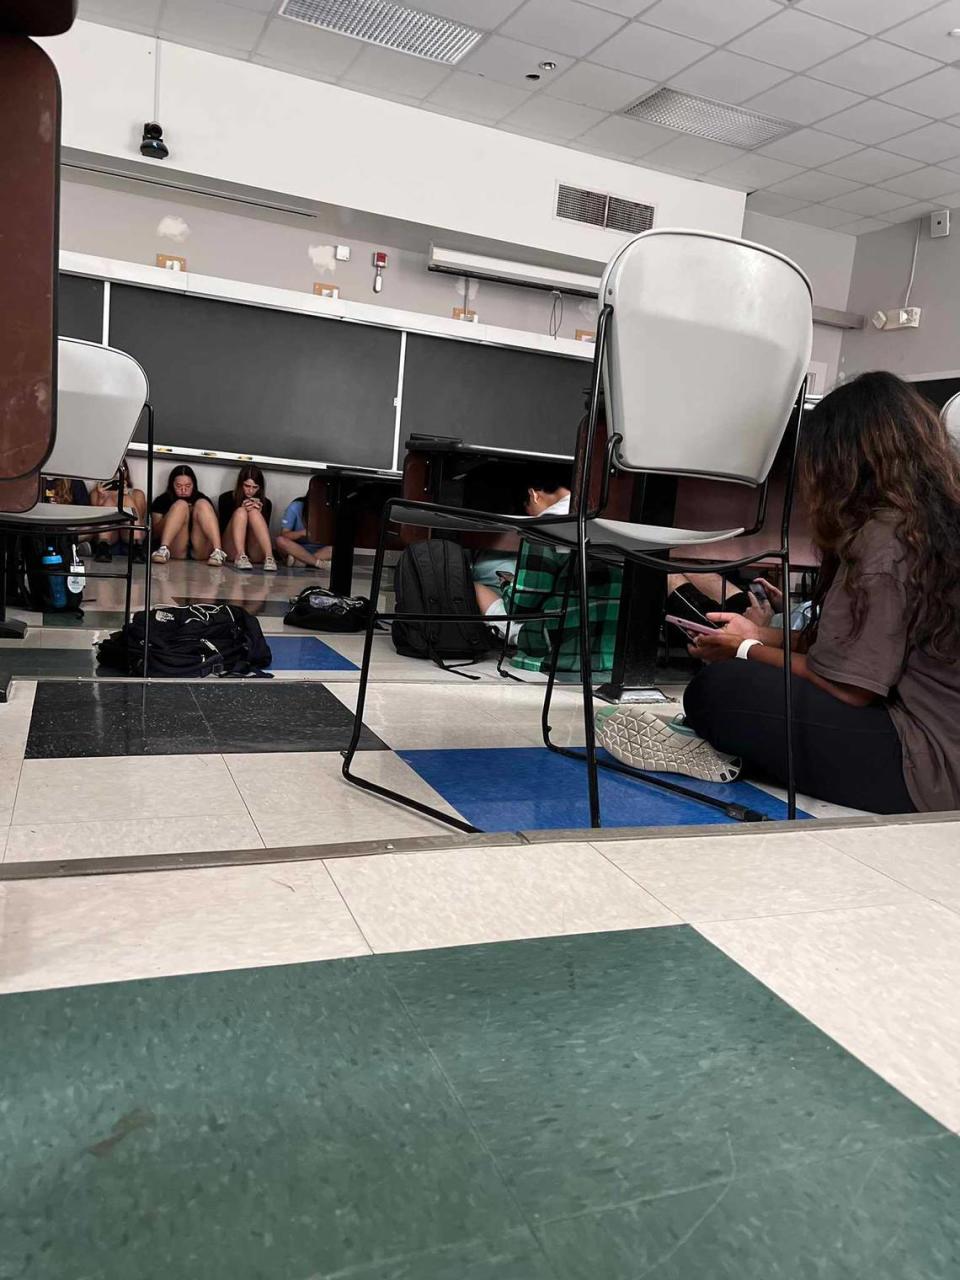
367,651
129,589
788,692
586,682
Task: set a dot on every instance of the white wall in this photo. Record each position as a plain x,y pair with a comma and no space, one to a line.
880,274
237,122
827,258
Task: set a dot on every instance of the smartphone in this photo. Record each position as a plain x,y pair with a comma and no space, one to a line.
504,578
691,628
759,590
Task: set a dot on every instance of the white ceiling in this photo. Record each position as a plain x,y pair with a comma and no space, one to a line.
872,86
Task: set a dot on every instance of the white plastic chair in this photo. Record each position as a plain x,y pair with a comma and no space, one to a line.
950,417
703,344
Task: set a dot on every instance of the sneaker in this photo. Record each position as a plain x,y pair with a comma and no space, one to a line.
216,558
242,561
269,565
637,737
102,553
161,555
291,562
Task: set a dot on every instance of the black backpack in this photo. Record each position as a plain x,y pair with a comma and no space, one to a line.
189,641
435,577
318,609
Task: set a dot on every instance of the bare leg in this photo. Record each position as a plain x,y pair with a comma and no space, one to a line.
258,543
174,529
709,584
235,535
290,547
486,596
135,499
205,531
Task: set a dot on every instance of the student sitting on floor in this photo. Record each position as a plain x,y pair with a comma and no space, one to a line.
184,520
292,539
245,512
540,585
104,494
876,698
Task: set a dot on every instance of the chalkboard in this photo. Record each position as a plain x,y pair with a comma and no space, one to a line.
495,396
937,390
234,378
80,308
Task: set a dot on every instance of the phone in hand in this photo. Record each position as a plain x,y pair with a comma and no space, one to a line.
691,628
759,591
504,578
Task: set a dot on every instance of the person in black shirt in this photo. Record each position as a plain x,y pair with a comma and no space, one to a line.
245,519
184,519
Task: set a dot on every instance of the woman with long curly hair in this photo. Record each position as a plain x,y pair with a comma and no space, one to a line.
876,701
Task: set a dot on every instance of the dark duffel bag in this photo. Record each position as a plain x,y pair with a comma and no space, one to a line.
318,609
189,641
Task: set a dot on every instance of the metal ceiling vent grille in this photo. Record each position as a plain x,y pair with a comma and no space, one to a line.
392,26
600,210
708,119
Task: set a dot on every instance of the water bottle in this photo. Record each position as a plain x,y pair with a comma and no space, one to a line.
58,589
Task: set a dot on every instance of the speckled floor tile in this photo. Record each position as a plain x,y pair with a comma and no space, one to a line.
923,856
130,837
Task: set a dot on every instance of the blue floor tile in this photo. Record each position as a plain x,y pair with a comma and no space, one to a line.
306,653
531,788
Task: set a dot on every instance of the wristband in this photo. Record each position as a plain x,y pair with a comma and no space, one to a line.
745,647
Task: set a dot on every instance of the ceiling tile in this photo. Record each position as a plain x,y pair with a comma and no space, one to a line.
708,20
562,24
770,203
261,6
863,227
133,15
552,118
630,139
648,51
870,165
795,41
869,16
509,61
692,155
600,87
872,122
822,215
626,8
873,67
933,143
924,184
934,95
952,165
812,185
481,98
809,148
218,25
927,33
752,172
908,213
377,70
869,201
295,46
802,100
481,14
727,77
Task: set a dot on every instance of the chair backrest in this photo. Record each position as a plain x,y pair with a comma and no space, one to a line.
950,417
708,344
101,394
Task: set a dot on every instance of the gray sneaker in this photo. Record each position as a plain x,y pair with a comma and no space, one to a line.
242,562
161,555
216,558
637,737
269,565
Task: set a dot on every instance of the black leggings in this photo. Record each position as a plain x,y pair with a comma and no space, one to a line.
846,755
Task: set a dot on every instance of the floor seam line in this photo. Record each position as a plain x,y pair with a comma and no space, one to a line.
347,907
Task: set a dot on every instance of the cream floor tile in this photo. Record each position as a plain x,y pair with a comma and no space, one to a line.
87,790
72,932
882,981
404,902
409,717
732,877
131,837
923,856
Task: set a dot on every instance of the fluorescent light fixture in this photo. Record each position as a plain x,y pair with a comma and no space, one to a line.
391,26
708,119
476,266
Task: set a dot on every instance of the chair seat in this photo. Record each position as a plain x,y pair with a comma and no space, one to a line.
624,536
55,515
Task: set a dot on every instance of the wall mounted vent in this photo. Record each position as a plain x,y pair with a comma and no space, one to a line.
598,209
392,26
707,119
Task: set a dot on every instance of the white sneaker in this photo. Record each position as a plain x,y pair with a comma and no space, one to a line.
216,558
269,565
291,562
637,737
242,562
161,555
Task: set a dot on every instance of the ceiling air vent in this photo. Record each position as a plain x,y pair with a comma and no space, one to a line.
392,26
601,210
707,119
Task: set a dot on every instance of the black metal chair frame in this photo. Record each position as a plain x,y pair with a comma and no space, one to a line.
582,550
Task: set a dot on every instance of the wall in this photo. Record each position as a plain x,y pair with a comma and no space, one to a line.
281,486
241,123
118,224
827,257
880,274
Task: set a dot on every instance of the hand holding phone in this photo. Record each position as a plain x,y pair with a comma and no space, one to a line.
689,627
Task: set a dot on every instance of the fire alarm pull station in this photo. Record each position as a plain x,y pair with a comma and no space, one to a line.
379,263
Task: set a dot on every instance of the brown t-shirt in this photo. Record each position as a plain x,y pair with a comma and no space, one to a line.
922,693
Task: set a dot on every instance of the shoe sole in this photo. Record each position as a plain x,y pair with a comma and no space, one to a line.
644,741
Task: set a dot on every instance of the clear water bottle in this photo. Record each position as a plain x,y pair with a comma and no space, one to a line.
58,588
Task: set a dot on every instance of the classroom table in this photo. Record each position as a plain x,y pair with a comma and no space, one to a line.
344,509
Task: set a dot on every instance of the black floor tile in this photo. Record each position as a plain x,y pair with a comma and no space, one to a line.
35,663
278,717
